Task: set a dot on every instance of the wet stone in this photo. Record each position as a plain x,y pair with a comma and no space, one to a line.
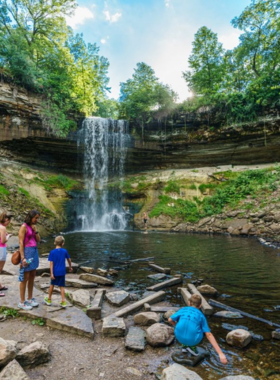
118,298
135,339
188,359
158,276
207,290
276,334
113,326
228,314
239,338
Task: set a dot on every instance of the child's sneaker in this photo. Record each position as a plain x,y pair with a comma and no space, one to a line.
47,301
32,302
193,350
63,304
25,306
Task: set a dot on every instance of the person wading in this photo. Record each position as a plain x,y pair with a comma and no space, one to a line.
28,239
4,237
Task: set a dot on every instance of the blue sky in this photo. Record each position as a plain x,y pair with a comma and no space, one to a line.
157,32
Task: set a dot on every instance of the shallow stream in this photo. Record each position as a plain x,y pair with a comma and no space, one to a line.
245,273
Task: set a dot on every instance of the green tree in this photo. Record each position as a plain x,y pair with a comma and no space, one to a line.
144,97
206,63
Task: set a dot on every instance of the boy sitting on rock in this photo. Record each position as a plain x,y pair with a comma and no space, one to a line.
57,259
190,326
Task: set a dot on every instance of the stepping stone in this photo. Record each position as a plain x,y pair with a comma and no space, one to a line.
189,359
80,297
118,298
113,326
76,283
158,276
207,290
88,270
147,318
160,335
135,339
97,279
94,311
239,338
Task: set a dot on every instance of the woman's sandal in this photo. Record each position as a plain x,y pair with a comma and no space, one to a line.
2,294
3,288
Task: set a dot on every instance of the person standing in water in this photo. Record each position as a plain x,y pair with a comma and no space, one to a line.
4,237
145,220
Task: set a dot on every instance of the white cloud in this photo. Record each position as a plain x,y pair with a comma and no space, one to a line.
103,40
230,40
167,3
81,15
112,18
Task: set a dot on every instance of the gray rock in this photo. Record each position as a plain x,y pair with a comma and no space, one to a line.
239,338
134,297
113,272
133,372
96,279
113,326
8,351
228,314
88,270
168,314
158,276
239,377
276,334
101,272
80,297
34,354
178,372
160,335
147,294
147,318
135,339
13,371
118,298
207,289
76,283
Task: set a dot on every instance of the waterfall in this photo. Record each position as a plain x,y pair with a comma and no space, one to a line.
105,142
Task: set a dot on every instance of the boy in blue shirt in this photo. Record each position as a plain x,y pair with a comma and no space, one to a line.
58,270
190,327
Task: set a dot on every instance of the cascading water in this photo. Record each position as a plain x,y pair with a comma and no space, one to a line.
105,142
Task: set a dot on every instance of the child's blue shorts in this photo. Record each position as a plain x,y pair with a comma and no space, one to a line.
59,281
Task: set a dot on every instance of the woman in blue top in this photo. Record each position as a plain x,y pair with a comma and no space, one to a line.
191,325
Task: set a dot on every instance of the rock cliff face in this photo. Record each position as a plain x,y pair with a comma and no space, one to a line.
23,137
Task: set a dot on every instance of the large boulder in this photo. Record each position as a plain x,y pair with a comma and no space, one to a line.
207,290
13,371
178,372
239,338
147,318
118,298
160,335
8,351
34,354
80,297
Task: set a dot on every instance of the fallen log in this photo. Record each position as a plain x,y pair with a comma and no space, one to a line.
139,260
157,297
166,284
229,308
205,307
157,268
185,294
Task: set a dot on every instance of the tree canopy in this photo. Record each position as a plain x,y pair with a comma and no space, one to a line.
42,54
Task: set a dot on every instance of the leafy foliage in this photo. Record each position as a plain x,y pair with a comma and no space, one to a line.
61,181
42,54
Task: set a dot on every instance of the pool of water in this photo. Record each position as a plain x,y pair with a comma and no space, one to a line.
244,272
